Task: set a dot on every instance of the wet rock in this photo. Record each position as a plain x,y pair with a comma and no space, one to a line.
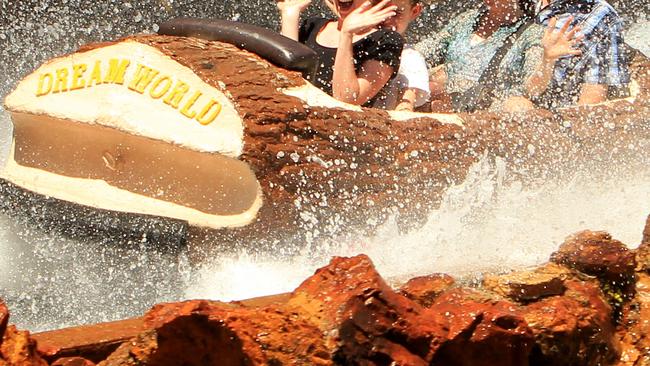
369,323
138,351
18,349
597,254
573,329
72,361
524,286
4,319
480,331
643,251
213,333
364,319
425,289
636,326
646,232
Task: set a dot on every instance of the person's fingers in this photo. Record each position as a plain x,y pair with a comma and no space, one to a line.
551,24
566,25
365,6
380,5
391,9
572,33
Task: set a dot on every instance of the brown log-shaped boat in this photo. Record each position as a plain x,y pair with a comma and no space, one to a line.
193,136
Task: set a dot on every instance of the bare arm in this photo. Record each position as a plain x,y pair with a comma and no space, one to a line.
592,94
351,88
407,102
556,44
290,16
347,86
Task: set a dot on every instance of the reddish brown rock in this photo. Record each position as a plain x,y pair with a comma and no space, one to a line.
137,351
527,285
480,331
19,349
213,333
425,289
646,232
597,254
573,329
72,361
4,319
94,342
636,326
369,323
643,251
364,319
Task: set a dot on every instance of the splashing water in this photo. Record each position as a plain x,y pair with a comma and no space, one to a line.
482,225
487,223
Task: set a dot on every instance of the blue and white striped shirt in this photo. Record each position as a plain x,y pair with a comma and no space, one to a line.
603,60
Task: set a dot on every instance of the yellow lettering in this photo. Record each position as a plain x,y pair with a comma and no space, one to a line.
42,88
61,83
77,74
116,71
157,93
142,78
174,98
209,112
190,103
96,75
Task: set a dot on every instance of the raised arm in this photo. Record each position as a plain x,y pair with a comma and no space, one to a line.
556,44
290,11
347,86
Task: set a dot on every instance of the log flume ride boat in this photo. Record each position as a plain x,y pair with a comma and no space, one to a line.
209,131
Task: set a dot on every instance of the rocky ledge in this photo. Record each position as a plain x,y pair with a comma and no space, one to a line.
589,305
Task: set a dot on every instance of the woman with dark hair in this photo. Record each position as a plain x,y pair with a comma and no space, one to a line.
356,57
467,47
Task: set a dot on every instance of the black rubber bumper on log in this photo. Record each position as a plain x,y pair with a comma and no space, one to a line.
276,48
84,222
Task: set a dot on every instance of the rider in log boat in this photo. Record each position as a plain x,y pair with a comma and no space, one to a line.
602,67
356,58
497,56
409,89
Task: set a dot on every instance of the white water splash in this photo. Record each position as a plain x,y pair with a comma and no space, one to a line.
482,225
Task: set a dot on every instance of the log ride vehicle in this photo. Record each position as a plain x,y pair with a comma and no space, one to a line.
209,132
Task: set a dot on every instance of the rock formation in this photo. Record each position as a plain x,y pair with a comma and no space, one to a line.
559,313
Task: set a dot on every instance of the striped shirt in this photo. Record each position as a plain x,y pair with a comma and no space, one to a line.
603,60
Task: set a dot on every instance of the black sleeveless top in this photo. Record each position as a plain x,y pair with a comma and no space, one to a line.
382,45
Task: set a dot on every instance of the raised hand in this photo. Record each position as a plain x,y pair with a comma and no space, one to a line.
290,16
562,42
367,16
293,7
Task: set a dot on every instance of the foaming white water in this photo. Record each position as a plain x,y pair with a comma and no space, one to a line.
484,224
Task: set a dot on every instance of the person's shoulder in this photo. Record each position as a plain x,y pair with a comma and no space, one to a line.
410,51
386,36
469,14
534,32
603,18
464,18
604,7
